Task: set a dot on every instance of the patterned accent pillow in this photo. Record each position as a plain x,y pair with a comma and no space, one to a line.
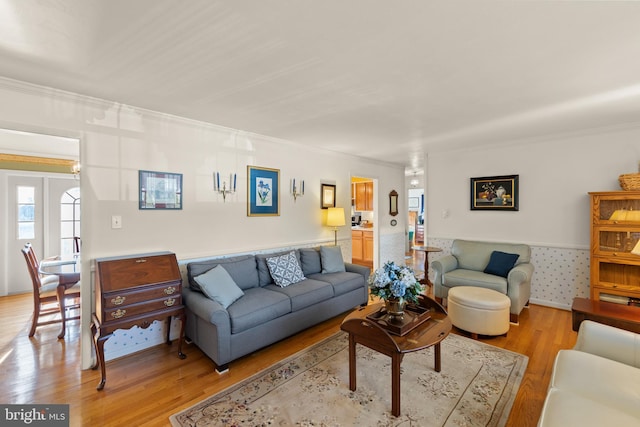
285,269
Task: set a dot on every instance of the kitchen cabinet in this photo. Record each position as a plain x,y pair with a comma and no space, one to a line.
362,247
367,247
356,245
615,246
364,196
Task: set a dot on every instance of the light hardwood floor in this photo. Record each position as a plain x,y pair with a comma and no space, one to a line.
145,388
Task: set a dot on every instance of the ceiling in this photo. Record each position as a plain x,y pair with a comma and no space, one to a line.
386,80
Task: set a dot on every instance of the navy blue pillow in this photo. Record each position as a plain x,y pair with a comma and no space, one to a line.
501,263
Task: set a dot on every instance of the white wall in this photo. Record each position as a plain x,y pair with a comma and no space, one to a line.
117,140
554,217
555,177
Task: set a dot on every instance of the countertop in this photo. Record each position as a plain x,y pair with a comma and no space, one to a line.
361,228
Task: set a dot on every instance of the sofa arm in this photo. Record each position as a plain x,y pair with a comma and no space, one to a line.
207,309
444,264
609,342
519,274
440,267
360,269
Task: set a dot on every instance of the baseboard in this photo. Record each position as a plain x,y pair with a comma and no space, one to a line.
550,304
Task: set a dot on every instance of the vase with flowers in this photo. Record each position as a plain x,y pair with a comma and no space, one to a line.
396,286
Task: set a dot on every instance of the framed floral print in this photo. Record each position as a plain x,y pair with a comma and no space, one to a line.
263,191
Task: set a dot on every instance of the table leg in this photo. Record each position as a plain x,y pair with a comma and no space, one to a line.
396,360
352,363
98,345
438,358
183,320
63,315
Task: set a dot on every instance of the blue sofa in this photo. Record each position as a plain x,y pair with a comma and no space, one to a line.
266,312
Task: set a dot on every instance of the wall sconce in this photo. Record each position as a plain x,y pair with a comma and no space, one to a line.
223,189
335,219
297,191
75,170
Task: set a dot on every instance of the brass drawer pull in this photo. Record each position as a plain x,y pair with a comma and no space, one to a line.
141,260
118,300
170,302
118,313
170,290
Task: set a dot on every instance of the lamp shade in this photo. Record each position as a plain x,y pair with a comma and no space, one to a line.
625,215
335,217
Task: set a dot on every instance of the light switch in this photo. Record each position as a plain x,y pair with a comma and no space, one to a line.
116,221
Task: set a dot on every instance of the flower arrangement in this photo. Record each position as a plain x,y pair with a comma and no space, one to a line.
395,282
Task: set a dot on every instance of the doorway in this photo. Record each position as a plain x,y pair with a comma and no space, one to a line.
415,220
363,241
35,172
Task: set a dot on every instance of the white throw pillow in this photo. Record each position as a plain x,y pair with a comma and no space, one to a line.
218,285
285,269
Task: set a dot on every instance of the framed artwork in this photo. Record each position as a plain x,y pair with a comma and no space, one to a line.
414,203
159,190
497,193
263,191
327,196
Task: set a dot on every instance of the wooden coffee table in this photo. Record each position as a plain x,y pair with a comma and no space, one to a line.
368,333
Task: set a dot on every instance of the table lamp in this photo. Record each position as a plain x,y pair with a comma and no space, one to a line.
335,219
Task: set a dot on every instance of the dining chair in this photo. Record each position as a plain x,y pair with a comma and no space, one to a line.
49,294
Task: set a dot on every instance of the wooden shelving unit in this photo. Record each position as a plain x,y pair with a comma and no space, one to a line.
615,232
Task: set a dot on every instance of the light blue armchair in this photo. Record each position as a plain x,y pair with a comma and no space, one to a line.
467,264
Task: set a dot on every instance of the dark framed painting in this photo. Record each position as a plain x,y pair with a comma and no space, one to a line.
263,191
159,190
495,193
327,196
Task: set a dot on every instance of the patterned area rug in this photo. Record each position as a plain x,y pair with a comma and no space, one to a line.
476,387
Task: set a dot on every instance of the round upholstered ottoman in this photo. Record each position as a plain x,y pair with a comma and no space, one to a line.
479,311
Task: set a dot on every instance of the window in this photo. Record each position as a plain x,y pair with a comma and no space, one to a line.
69,220
26,212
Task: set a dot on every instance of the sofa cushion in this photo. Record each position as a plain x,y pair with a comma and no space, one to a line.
242,270
310,260
285,269
257,306
607,381
342,282
563,408
461,277
305,293
264,275
218,285
331,259
500,263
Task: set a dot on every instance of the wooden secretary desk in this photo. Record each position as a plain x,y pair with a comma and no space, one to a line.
132,291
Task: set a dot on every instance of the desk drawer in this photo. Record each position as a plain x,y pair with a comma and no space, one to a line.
127,311
133,296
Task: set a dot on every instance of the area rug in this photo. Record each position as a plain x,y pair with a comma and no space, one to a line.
476,387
